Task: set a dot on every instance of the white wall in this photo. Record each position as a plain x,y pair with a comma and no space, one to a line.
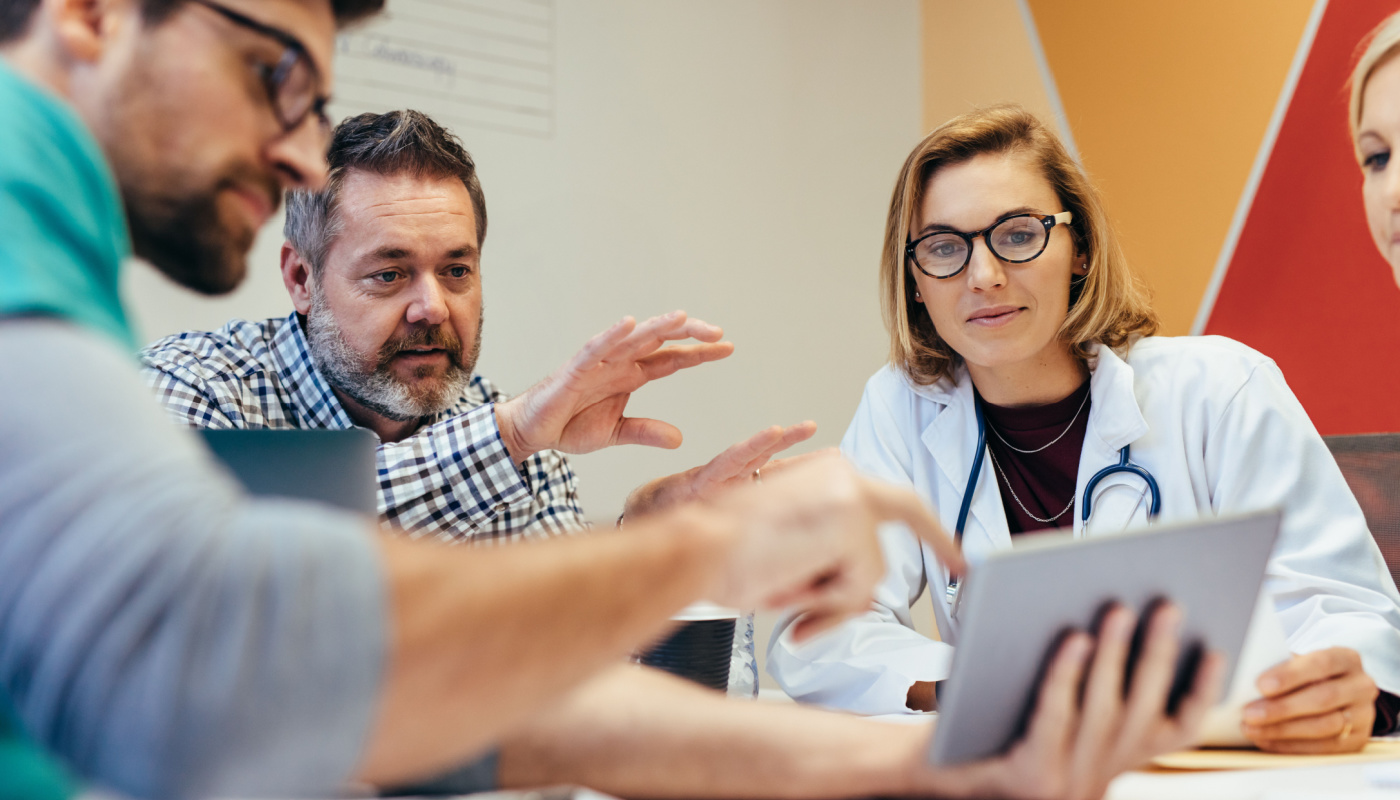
734,159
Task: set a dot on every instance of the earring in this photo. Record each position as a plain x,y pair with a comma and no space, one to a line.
918,298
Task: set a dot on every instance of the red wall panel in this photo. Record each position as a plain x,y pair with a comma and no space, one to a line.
1305,285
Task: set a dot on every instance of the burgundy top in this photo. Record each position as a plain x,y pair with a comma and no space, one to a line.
1045,481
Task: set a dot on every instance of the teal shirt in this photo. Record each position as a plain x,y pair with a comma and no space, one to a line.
62,240
25,774
63,233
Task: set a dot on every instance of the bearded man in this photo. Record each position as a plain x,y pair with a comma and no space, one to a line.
383,267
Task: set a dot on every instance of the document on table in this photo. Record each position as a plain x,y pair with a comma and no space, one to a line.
1376,750
1264,647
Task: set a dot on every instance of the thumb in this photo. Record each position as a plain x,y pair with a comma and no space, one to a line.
647,432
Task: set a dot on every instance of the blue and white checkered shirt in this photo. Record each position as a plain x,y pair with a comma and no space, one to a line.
453,479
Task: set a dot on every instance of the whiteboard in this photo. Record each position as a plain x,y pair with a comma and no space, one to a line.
479,65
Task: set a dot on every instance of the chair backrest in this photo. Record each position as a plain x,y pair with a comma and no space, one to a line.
1371,464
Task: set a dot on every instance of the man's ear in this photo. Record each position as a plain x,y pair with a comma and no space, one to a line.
296,276
84,28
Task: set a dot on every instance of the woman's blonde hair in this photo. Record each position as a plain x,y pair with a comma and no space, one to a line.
1376,48
1109,305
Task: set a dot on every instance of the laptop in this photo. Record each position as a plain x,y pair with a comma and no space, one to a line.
335,467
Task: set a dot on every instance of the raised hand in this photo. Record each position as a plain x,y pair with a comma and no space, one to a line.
806,541
736,466
1087,730
1319,702
579,408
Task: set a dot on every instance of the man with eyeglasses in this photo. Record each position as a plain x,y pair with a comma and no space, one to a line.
168,637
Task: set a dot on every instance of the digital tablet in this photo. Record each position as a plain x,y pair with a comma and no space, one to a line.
1018,603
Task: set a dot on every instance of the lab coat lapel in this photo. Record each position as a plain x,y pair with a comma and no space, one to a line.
952,439
1115,420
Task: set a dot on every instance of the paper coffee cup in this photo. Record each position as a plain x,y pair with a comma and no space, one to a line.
699,648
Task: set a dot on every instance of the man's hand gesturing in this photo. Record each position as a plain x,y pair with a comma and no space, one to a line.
736,466
807,541
579,408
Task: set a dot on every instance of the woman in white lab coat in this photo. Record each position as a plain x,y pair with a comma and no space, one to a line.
1004,287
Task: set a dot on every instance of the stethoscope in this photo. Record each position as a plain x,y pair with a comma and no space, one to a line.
1124,465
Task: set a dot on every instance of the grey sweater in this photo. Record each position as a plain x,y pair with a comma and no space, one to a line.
164,634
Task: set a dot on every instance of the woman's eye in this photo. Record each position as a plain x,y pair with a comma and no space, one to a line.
1376,162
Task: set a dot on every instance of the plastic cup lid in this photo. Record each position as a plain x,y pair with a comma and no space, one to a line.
702,610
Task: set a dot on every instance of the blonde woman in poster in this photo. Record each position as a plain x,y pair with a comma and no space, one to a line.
1018,333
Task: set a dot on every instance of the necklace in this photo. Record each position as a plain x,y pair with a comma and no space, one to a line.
1082,403
1018,500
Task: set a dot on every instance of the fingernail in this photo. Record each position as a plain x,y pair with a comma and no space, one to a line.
1080,646
1120,625
1171,619
1253,714
1268,684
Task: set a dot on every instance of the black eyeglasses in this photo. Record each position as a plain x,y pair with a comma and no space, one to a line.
1015,240
293,84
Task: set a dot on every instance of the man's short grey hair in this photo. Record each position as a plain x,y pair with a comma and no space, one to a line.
394,143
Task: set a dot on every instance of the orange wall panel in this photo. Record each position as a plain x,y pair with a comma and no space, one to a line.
1168,103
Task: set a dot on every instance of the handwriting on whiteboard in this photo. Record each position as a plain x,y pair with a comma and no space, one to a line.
467,63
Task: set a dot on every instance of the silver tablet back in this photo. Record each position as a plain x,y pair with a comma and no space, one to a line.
1018,603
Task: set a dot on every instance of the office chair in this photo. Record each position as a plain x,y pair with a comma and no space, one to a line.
1371,464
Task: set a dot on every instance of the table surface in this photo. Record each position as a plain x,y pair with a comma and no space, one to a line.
1327,782
1321,783
1337,781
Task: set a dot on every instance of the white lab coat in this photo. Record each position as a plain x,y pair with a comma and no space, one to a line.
1216,425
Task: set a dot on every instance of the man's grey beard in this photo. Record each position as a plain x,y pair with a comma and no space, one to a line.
377,389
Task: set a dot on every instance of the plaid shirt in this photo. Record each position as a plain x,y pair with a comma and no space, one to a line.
452,480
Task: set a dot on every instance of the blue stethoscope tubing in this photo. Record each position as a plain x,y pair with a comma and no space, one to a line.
1124,465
